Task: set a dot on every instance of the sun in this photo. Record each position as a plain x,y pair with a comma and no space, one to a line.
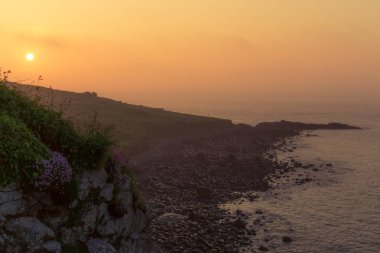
29,57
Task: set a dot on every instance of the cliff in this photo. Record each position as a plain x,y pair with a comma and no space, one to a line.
104,216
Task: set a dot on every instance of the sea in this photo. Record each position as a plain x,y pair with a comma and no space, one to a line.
339,209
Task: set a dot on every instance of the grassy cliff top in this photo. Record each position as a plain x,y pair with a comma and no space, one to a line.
134,126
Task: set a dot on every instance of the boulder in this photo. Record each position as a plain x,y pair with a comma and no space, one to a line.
2,243
140,221
90,179
170,218
107,192
110,228
239,223
30,231
99,246
287,239
11,202
52,246
89,217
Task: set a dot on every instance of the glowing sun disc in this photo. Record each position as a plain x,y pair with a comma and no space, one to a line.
29,56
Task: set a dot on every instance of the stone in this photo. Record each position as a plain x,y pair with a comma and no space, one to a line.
126,199
125,223
30,230
263,248
287,239
170,218
110,228
90,179
125,183
239,223
2,242
140,221
89,217
2,219
107,192
135,246
11,202
52,246
99,246
103,215
72,235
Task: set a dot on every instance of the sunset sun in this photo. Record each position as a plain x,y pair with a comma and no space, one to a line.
29,56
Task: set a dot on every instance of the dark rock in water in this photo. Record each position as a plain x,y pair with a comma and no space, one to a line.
298,126
263,248
205,193
239,223
287,239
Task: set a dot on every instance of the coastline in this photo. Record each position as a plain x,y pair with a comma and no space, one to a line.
185,185
187,165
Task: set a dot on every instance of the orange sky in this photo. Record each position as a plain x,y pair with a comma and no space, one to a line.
192,51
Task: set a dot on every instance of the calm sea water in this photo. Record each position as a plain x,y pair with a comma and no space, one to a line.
339,210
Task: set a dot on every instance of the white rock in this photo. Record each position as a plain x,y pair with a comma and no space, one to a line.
99,246
52,246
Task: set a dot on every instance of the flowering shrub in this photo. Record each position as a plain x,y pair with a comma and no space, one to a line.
56,173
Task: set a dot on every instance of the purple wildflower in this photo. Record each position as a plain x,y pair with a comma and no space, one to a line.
57,172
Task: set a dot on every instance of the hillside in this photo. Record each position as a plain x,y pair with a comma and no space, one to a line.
134,126
63,188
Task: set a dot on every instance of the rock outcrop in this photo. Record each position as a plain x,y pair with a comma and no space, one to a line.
103,217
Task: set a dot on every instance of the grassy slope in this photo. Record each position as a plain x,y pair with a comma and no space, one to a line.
134,126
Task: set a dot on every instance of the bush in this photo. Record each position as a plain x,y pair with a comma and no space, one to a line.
84,149
56,173
19,151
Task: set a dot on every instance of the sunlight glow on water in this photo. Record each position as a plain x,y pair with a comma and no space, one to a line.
339,211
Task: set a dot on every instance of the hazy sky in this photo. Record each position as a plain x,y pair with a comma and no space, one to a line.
160,52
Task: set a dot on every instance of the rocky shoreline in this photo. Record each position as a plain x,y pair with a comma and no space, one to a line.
185,185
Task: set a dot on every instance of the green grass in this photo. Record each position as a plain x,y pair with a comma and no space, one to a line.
19,151
29,129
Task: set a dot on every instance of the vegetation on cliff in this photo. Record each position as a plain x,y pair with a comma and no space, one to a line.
32,132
